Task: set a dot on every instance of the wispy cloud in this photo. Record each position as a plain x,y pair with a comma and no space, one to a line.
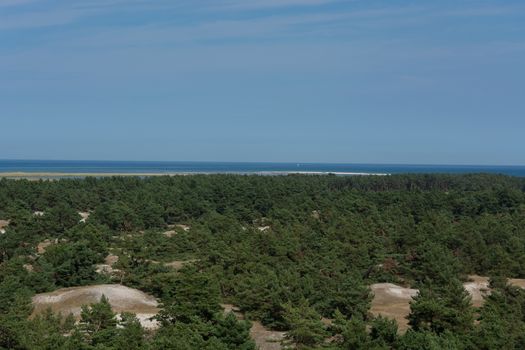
5,3
65,12
486,11
257,4
39,19
222,12
345,25
204,5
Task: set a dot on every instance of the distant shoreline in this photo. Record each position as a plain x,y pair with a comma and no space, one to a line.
46,175
35,169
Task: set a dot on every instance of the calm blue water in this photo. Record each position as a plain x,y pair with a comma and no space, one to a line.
53,166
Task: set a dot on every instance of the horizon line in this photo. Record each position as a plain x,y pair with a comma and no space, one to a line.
261,162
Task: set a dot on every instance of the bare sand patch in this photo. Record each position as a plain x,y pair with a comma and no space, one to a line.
84,216
111,259
179,264
264,338
517,282
233,309
478,288
170,233
183,227
105,269
327,321
42,246
393,302
122,299
262,224
3,225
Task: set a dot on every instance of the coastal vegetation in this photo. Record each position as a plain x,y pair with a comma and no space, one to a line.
295,253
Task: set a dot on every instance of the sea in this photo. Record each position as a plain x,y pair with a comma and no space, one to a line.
186,167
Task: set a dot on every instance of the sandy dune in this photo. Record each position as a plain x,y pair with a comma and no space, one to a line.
266,339
392,301
121,298
478,288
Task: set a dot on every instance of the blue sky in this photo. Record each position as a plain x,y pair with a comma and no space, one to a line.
359,81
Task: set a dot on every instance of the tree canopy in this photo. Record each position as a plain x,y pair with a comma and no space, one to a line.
296,253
